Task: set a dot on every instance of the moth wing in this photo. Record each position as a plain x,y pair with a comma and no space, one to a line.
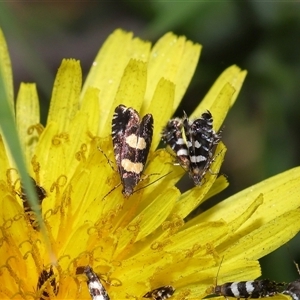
145,133
120,124
142,133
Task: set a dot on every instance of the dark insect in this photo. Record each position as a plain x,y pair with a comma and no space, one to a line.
248,289
47,276
96,289
160,293
194,152
131,140
293,288
28,209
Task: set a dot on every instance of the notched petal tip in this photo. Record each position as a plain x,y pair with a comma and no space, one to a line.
65,95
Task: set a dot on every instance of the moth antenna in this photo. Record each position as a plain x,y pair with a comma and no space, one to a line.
110,162
152,181
115,187
219,270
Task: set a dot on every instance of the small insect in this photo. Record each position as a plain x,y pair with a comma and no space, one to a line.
131,140
248,289
293,288
160,293
28,209
96,289
43,278
193,143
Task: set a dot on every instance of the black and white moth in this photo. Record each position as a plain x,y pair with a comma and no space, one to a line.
248,289
47,276
96,289
28,208
132,139
193,143
160,293
293,288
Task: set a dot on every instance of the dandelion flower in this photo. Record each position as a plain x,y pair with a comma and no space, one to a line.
143,242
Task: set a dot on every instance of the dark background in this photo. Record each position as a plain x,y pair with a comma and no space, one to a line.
261,131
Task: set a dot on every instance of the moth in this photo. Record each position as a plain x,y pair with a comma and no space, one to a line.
131,139
248,289
193,143
160,293
28,208
96,289
43,278
293,288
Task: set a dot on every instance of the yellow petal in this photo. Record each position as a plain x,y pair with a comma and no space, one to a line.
44,154
201,234
240,220
90,182
28,116
280,192
160,174
108,68
65,95
222,95
266,238
90,107
131,91
192,198
184,275
233,76
236,223
149,219
173,58
162,101
219,107
239,270
74,242
219,185
65,147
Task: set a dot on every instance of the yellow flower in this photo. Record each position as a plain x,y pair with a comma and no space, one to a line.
142,242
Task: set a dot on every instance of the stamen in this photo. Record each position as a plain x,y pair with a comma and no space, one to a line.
38,127
81,154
